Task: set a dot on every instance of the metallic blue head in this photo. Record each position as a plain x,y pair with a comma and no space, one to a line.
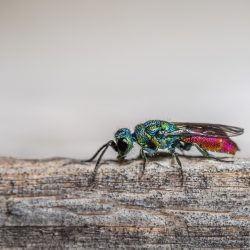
124,142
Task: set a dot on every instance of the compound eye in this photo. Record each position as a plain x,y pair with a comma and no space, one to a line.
122,145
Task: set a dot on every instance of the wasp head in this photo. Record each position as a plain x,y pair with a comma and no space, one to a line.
124,142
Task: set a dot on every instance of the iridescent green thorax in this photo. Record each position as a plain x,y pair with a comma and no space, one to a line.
124,141
152,134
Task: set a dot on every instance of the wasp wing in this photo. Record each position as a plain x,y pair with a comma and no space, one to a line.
205,129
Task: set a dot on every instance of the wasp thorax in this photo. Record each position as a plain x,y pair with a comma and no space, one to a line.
124,141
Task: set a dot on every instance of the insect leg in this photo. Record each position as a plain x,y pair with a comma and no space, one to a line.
143,155
207,155
202,151
177,158
175,155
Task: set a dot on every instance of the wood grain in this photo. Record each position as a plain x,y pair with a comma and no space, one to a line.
45,205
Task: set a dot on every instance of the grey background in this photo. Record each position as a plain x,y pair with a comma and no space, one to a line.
73,72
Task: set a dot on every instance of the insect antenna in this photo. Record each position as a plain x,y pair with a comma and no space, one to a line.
98,151
105,146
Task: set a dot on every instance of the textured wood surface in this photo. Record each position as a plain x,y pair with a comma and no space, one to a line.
44,204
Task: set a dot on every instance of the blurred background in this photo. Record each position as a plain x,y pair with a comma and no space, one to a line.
73,72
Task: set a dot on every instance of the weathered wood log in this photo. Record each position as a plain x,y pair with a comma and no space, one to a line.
44,204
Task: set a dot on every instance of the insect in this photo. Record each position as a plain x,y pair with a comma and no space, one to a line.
155,135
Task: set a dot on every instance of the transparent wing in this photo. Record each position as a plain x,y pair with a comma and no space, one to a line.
205,129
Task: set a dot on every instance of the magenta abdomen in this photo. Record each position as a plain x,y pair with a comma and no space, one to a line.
216,144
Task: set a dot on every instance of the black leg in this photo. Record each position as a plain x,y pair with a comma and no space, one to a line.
175,155
144,163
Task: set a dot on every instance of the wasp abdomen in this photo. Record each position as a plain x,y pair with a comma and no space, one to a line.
215,144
